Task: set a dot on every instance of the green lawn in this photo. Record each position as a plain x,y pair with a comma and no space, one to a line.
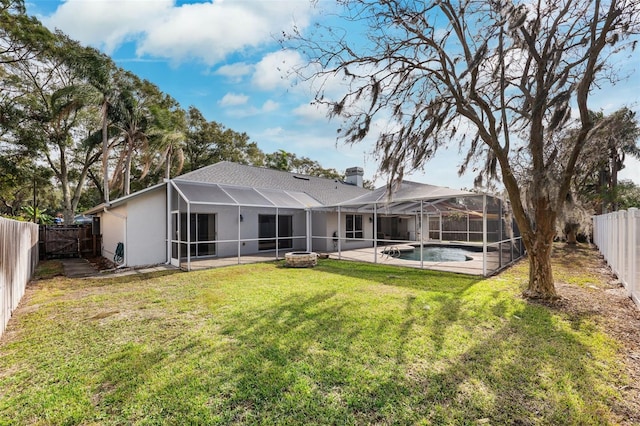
343,343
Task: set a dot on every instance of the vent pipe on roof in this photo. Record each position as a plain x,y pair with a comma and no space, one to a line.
354,176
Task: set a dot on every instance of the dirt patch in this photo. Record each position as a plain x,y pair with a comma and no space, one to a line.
101,263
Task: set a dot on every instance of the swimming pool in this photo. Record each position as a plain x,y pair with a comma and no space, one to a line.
438,254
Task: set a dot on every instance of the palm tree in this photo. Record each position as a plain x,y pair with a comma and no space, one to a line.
133,122
168,136
101,73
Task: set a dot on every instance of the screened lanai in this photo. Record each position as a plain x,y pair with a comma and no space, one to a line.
217,224
211,222
424,226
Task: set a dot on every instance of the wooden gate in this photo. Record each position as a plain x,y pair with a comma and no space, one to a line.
68,241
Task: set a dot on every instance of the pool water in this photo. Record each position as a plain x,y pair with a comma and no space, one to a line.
437,254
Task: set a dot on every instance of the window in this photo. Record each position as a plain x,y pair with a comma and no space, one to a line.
202,235
267,232
354,226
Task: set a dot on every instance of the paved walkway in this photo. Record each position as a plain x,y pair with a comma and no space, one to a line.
78,268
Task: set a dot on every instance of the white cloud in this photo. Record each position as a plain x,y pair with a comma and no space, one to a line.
235,72
107,23
273,132
276,70
205,31
270,106
312,112
267,107
233,99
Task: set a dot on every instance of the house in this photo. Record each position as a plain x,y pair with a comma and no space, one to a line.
233,211
230,210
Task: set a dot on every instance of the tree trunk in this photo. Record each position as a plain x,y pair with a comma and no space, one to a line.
105,153
540,275
127,169
167,170
63,176
127,175
537,235
541,285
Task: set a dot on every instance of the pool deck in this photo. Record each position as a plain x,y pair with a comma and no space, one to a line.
469,267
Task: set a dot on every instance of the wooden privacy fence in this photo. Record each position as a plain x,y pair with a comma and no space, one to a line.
617,236
18,261
68,241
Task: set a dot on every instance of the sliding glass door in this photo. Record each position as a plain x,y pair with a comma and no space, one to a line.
202,233
267,232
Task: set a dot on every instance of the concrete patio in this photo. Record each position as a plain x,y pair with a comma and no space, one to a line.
469,267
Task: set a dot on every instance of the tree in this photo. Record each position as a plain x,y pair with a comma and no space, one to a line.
167,136
199,142
498,77
100,72
279,160
290,162
208,142
613,138
22,37
46,103
134,120
628,195
37,215
133,126
595,182
24,182
56,105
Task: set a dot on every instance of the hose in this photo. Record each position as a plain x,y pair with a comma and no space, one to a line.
119,256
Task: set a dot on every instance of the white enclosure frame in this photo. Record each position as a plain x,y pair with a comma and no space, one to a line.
417,204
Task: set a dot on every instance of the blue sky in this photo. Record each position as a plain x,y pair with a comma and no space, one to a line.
223,58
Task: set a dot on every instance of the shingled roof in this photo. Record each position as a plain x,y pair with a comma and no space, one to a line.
327,191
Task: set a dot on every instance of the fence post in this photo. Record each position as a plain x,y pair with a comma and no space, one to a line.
634,218
621,246
614,235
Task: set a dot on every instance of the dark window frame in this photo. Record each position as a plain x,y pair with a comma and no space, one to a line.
354,227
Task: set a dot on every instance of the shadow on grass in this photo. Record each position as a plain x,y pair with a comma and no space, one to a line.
401,346
421,279
572,257
313,359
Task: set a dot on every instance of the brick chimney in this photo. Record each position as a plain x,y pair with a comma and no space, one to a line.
354,176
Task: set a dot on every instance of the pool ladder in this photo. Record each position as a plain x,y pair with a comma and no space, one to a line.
393,251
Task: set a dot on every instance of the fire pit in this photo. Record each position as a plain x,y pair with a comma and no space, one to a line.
300,259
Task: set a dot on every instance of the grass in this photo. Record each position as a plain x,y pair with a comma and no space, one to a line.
343,343
48,269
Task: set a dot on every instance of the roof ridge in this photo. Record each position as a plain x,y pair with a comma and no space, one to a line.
269,169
